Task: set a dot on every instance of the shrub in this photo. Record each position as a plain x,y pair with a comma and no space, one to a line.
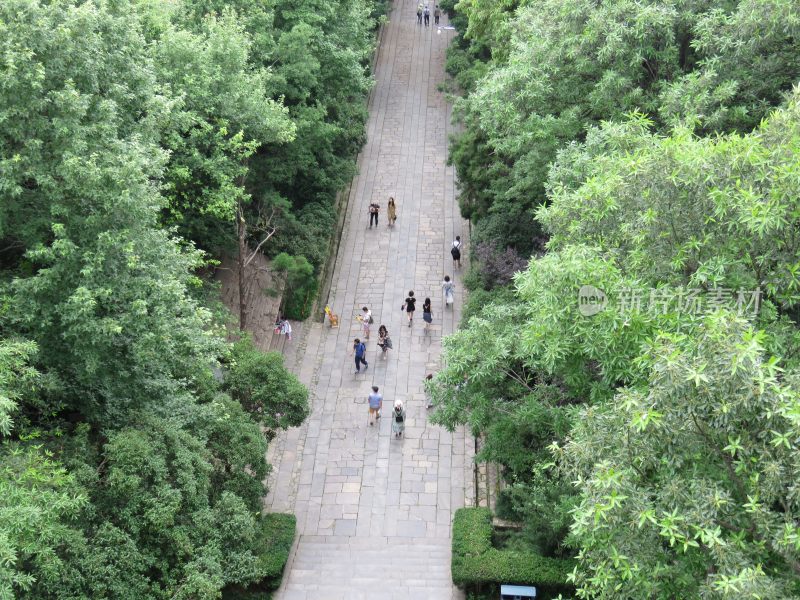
273,544
475,562
276,536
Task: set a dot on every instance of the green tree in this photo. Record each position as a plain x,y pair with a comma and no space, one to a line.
571,65
266,390
688,481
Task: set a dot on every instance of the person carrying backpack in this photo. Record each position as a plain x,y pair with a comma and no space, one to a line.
384,341
419,13
455,252
427,14
366,320
360,350
398,419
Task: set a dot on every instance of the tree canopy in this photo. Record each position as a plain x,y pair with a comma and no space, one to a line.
134,135
637,381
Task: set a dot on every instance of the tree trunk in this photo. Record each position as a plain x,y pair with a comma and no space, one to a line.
241,262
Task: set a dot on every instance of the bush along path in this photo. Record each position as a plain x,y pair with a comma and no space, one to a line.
374,513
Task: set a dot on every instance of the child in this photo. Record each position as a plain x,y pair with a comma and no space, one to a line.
366,321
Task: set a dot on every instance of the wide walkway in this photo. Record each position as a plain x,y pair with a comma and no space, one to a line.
374,512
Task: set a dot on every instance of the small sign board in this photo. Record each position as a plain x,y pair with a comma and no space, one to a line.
517,592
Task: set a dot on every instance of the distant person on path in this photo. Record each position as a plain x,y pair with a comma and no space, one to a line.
427,383
391,212
455,252
448,287
427,313
398,419
359,349
384,341
374,208
409,306
427,13
366,320
419,13
436,14
286,329
375,404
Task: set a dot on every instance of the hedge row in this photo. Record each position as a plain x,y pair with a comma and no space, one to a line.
272,545
475,561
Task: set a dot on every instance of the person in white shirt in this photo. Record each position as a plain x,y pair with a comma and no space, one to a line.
455,252
366,321
448,287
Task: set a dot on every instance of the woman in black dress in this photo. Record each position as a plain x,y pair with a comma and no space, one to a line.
409,306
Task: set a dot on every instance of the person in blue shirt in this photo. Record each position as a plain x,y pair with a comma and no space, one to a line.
375,404
360,350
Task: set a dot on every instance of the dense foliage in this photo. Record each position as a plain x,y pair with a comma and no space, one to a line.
133,136
476,561
539,73
655,147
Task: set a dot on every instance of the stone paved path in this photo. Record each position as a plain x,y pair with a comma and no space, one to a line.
374,512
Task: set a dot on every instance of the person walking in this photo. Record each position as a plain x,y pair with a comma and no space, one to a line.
286,328
427,14
427,313
436,14
448,287
427,384
360,350
366,320
409,306
384,341
419,13
455,252
375,403
391,212
398,419
374,208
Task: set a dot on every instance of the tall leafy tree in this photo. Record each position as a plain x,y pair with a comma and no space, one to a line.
570,65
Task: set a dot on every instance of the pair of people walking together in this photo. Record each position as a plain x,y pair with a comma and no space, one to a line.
375,403
375,209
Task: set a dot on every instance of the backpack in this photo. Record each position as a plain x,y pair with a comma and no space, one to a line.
361,349
387,342
398,417
371,320
455,253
